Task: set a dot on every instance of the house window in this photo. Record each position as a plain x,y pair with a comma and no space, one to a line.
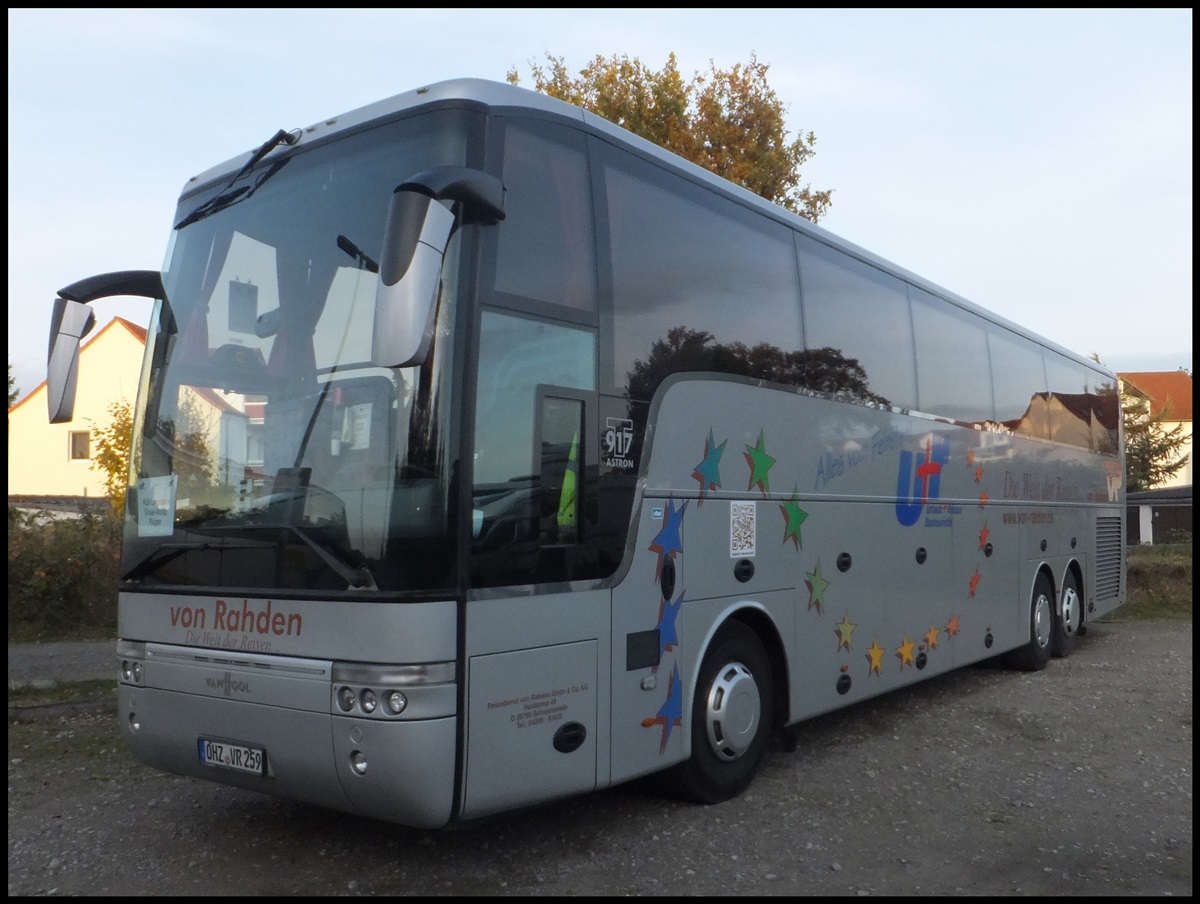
81,445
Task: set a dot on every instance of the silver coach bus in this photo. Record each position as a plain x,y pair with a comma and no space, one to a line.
486,454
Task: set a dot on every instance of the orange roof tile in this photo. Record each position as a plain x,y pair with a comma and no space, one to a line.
1169,389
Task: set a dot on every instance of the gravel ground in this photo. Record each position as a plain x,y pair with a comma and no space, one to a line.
1073,781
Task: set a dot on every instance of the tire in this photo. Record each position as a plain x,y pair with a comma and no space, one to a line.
732,712
1069,622
1034,655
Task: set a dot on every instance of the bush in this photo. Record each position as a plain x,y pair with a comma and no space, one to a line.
62,575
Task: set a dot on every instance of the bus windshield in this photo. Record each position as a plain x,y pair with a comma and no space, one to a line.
269,453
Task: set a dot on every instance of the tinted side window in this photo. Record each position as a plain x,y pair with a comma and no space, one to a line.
1076,414
954,379
860,314
1019,377
546,249
699,283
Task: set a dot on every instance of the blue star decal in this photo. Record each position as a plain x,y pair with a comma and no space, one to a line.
708,472
668,638
670,713
668,541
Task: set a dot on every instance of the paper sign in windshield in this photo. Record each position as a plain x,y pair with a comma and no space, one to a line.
156,506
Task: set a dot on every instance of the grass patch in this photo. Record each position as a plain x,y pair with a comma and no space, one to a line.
1159,583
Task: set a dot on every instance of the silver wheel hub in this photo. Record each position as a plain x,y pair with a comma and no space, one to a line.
732,712
1043,619
1071,611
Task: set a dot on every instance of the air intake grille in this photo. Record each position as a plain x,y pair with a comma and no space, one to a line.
1108,557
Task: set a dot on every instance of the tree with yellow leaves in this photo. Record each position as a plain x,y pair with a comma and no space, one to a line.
729,121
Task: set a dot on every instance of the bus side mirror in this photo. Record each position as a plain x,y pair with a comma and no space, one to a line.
410,272
72,319
415,237
70,322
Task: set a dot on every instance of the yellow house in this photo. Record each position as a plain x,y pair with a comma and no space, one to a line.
47,459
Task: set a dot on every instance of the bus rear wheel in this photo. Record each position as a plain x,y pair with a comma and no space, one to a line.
732,712
1034,655
1070,620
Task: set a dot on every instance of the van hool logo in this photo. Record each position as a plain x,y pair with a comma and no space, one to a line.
229,685
919,481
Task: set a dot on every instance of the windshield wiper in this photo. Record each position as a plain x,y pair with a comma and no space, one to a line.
358,578
228,198
213,205
168,551
280,137
360,256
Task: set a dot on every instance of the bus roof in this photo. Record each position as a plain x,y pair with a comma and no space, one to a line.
495,96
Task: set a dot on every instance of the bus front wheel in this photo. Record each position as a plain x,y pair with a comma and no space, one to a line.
732,712
1034,655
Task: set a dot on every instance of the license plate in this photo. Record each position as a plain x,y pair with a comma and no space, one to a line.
230,755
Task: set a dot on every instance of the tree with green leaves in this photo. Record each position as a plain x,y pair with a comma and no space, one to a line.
729,121
1151,446
13,392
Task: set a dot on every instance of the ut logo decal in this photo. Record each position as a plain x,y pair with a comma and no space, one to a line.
917,483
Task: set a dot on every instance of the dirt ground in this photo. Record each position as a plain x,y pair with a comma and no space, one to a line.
1072,781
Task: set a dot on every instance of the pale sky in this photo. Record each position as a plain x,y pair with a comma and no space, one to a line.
1037,162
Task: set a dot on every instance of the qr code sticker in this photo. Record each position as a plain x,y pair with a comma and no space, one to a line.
741,529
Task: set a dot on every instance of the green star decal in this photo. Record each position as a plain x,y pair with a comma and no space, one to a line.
793,517
816,592
760,463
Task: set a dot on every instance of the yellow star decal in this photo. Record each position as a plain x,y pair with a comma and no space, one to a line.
875,658
845,632
905,653
931,637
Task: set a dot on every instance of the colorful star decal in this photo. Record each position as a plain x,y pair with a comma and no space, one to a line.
952,626
984,533
760,463
793,517
979,474
974,584
970,457
668,612
708,471
905,653
983,499
931,637
670,714
845,632
668,541
875,658
817,586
